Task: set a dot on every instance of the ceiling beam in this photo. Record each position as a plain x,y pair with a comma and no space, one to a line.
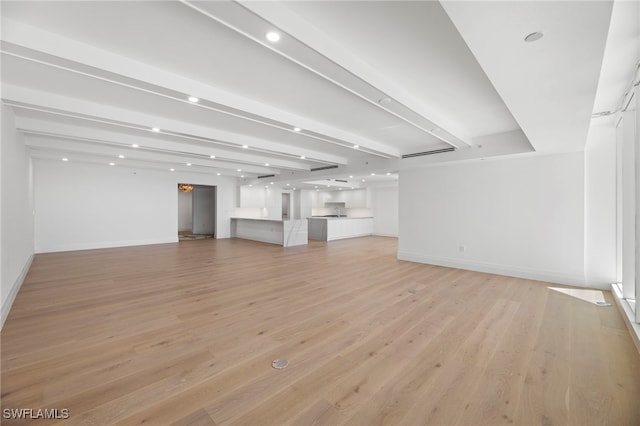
81,158
114,138
328,58
29,37
110,153
124,118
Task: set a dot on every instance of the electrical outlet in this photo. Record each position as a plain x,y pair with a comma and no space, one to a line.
462,249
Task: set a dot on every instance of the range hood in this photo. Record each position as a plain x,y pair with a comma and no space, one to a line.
333,205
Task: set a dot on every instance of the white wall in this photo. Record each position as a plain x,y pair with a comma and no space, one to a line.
81,206
600,207
308,199
520,217
384,205
17,212
185,211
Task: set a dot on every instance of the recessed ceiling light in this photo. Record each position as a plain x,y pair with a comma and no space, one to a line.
294,189
218,174
155,129
328,186
212,156
112,164
270,183
288,184
193,99
356,146
266,187
188,164
373,174
317,190
350,177
315,187
352,187
239,170
120,156
363,180
65,159
388,173
296,129
250,185
273,36
135,145
339,189
172,170
533,37
245,146
266,164
242,176
302,157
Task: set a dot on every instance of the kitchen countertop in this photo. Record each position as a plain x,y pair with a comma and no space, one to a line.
257,218
331,218
266,219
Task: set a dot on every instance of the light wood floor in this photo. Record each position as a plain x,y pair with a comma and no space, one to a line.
186,334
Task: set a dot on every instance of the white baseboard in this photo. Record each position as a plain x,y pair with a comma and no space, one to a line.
8,302
104,244
628,315
382,234
491,268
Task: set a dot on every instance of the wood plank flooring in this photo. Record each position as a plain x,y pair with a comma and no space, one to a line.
185,334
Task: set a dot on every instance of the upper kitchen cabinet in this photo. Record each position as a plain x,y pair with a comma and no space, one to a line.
253,197
353,198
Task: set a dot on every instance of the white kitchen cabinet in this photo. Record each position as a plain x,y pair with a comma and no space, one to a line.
340,196
353,198
308,202
329,229
324,197
252,197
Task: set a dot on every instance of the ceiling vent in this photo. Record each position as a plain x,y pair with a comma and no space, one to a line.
324,168
265,176
435,151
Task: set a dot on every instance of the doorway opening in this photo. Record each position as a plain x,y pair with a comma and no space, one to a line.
196,212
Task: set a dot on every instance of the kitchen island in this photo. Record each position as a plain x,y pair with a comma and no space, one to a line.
337,228
286,233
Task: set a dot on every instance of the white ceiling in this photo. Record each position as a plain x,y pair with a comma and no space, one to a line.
87,80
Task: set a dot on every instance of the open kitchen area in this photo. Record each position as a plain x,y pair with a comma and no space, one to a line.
292,213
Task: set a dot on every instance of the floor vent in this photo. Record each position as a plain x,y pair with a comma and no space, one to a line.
435,151
280,364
